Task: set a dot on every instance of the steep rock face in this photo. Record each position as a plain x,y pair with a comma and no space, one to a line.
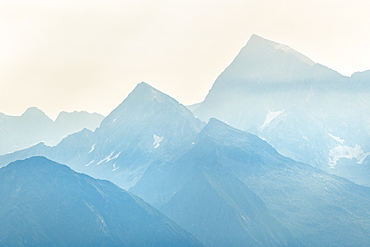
305,110
48,204
237,178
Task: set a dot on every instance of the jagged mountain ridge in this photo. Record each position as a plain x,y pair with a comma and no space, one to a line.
236,172
34,126
146,127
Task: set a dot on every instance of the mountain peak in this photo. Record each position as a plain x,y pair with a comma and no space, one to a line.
145,100
218,129
261,46
224,134
148,110
258,39
36,113
144,84
36,165
33,111
262,61
217,125
146,92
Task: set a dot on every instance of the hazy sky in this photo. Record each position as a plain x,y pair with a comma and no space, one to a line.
89,54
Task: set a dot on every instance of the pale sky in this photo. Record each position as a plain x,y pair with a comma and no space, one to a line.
89,54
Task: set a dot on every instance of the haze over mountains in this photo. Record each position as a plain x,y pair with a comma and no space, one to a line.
223,185
147,127
239,171
48,204
305,110
34,126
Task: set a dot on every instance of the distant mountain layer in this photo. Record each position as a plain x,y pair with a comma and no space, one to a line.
33,126
148,129
47,204
232,187
221,184
148,126
305,110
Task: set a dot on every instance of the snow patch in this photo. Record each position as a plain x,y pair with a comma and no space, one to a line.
92,148
115,156
284,48
157,141
347,152
115,167
109,158
269,117
89,163
298,55
336,138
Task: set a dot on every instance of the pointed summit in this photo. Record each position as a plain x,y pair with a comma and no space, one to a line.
34,112
258,40
221,133
264,45
144,93
262,59
146,126
146,103
262,66
144,89
220,129
147,109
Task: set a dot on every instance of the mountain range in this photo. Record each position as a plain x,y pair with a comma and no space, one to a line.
34,126
256,172
220,184
239,171
146,127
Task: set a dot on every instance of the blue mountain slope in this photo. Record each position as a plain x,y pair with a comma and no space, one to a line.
205,198
230,171
48,204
